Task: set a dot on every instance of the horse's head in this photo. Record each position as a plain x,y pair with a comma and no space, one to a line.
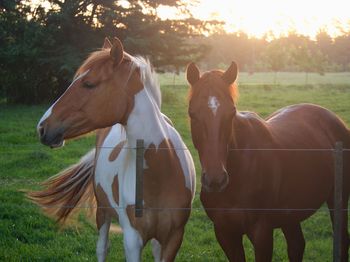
100,95
211,110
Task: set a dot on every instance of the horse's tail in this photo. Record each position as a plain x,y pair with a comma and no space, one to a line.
69,189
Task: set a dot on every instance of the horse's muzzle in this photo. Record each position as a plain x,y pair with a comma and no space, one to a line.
214,183
53,138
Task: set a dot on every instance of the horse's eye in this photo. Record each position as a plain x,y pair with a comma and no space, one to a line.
88,85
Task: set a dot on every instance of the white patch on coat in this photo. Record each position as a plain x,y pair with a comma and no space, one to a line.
106,170
144,122
102,242
213,104
156,250
123,167
185,158
147,122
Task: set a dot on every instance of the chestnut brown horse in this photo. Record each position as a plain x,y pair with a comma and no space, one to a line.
117,94
250,191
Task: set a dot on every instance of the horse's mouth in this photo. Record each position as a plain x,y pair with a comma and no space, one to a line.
57,144
213,189
53,141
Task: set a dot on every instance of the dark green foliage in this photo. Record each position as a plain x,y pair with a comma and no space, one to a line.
40,48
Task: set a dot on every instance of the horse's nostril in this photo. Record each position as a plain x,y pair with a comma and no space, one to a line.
41,130
214,183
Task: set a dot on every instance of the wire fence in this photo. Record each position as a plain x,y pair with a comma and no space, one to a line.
157,209
30,147
338,152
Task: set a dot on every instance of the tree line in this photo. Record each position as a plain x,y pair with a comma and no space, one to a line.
41,46
293,52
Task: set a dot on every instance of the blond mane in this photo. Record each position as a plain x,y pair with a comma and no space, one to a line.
148,75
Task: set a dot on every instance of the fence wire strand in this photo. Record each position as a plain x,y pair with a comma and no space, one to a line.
157,209
184,148
32,182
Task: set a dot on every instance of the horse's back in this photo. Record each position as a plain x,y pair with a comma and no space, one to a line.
308,126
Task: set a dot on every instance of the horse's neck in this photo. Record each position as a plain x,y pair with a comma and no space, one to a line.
145,121
250,131
246,165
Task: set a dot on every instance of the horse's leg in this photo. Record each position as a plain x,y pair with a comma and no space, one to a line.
103,224
133,244
345,234
156,250
261,237
295,242
231,243
172,245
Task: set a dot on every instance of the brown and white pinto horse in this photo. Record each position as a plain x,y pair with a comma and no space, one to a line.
117,94
258,190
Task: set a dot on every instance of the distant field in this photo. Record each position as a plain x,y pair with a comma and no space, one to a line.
27,235
282,78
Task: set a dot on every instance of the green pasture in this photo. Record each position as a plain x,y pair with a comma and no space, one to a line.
27,235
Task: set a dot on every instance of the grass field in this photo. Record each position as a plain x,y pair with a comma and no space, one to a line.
27,235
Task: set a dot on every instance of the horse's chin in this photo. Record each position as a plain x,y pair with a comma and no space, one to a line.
58,144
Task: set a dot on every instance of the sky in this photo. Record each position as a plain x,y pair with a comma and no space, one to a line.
258,17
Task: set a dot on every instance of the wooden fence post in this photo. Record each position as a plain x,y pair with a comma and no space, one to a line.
139,178
338,200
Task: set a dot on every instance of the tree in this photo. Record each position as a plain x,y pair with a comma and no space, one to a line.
225,48
20,48
342,51
40,49
324,43
276,56
308,59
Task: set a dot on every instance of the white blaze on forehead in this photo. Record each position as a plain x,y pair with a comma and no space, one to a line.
213,104
49,111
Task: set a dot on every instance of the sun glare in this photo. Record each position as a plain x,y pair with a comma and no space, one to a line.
272,17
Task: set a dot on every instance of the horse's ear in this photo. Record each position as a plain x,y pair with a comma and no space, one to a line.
231,74
117,51
107,44
192,73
